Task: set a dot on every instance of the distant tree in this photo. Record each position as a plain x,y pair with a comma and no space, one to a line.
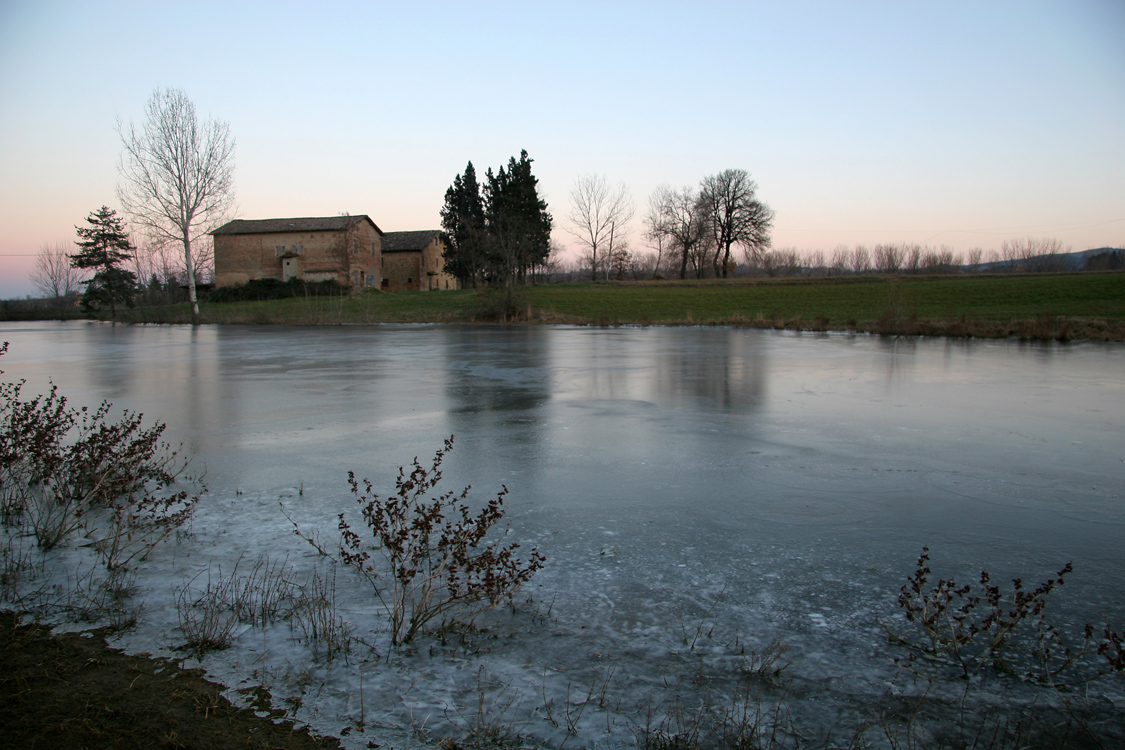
912,257
599,216
861,259
462,221
177,175
888,258
734,216
517,222
942,260
816,263
621,262
55,277
682,221
642,265
785,262
1107,260
552,265
841,259
656,232
103,247
1036,254
974,258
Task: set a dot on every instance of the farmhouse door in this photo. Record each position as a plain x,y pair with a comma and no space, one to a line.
288,268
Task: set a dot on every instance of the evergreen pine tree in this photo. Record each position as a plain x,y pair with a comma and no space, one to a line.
104,246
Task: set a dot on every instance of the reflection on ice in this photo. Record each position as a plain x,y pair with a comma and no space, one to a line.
701,495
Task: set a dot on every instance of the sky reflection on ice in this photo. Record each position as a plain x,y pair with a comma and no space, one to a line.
790,478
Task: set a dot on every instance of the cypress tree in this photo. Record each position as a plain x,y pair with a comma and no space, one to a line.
517,220
462,220
500,236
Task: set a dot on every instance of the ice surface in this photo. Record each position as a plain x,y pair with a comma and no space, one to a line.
700,494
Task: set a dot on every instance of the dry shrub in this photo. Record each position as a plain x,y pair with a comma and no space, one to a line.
314,614
433,559
954,631
206,616
64,470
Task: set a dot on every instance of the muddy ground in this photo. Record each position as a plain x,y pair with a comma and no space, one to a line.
72,691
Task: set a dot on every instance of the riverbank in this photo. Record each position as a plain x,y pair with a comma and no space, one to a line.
68,690
1075,306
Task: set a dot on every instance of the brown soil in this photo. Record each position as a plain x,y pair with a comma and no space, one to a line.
73,691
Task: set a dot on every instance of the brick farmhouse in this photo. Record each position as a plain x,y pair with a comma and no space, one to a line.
350,250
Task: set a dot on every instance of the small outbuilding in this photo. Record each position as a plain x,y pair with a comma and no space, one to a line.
415,262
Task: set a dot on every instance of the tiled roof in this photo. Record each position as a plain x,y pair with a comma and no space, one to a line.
396,242
309,224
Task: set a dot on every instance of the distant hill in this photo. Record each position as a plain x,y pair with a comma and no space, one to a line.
1095,259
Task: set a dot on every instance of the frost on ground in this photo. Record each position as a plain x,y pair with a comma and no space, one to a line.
598,650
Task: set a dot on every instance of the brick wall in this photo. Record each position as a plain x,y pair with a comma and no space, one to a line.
417,270
349,256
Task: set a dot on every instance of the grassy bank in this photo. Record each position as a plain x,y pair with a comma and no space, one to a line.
1038,306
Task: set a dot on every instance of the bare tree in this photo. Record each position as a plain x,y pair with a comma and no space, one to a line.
645,266
599,217
682,222
888,258
841,258
702,253
157,258
54,276
1036,255
943,260
975,255
178,174
735,216
787,261
656,229
861,259
551,265
912,257
817,265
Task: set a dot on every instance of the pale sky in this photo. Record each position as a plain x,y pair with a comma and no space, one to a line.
957,123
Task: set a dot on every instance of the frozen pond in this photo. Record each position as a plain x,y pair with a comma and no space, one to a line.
698,493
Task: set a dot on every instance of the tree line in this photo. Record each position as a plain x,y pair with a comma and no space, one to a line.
691,229
1024,255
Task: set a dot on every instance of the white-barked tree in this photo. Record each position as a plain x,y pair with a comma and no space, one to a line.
177,175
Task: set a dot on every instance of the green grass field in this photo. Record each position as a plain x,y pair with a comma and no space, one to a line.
1064,306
